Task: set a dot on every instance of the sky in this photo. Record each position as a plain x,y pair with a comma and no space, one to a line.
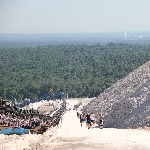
74,16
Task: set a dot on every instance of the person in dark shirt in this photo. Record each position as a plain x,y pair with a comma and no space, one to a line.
88,120
100,121
78,114
81,119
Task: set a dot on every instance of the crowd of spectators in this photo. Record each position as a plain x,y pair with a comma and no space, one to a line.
24,123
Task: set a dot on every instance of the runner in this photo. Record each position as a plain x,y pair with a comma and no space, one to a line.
81,119
92,119
88,122
101,122
78,114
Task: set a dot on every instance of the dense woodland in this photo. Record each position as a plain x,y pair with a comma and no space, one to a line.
79,70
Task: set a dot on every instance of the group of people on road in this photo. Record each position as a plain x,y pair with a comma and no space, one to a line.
90,119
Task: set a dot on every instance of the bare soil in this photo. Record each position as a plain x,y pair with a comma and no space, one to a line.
69,135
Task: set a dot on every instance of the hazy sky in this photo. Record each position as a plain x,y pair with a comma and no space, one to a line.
63,16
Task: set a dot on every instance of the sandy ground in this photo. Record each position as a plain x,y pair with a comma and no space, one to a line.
71,136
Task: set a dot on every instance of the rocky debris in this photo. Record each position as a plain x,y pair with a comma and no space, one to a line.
49,107
126,104
77,105
82,102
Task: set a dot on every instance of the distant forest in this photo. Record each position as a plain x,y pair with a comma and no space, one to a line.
79,70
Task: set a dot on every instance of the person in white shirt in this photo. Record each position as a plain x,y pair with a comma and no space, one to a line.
92,119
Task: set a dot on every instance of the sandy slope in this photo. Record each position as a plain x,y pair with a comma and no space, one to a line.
71,136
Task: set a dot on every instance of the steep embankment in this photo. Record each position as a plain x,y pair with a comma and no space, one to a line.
126,104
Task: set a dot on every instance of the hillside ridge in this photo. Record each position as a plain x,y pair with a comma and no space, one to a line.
126,104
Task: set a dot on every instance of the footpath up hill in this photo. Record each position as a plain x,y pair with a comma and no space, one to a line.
126,104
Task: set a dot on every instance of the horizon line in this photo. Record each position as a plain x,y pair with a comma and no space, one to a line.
75,32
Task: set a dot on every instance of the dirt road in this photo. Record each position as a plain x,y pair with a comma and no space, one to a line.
71,136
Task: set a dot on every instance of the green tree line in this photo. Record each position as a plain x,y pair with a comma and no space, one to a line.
80,70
